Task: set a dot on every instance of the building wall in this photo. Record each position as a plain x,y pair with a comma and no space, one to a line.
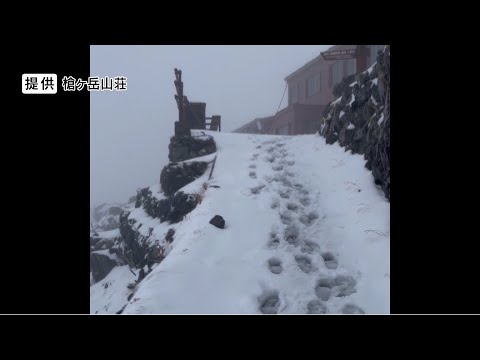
253,128
307,118
299,119
284,119
299,79
303,114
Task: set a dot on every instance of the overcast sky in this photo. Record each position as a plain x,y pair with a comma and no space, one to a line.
130,131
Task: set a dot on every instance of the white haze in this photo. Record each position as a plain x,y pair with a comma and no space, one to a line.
130,131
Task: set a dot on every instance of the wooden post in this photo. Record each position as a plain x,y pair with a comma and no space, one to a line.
181,127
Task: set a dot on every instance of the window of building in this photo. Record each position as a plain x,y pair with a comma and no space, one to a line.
314,85
350,67
330,76
337,72
293,94
283,130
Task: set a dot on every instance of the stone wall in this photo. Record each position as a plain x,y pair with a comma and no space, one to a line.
182,148
359,119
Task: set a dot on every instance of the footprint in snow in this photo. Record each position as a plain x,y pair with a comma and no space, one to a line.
340,286
274,241
292,206
352,309
275,265
316,307
305,201
308,219
275,204
291,234
304,263
310,247
269,302
286,219
330,260
256,190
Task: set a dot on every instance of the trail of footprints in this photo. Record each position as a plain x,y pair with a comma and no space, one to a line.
291,202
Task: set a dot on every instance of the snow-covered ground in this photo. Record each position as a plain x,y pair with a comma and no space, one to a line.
307,231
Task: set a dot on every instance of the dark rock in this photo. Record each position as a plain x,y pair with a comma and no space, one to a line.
169,236
181,204
346,136
218,221
331,138
171,209
121,310
141,275
187,147
134,252
100,266
155,255
342,85
94,240
175,176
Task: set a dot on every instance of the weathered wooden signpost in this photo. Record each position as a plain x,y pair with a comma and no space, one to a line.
191,115
360,53
181,128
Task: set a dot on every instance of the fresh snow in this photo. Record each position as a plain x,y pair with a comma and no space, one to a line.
370,69
106,253
350,127
351,101
336,101
205,158
341,113
110,295
111,234
380,121
271,188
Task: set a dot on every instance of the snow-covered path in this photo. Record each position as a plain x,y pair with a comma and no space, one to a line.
307,231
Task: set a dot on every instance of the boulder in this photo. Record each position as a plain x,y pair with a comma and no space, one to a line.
218,221
101,265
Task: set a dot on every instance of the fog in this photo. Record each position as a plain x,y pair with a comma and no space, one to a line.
130,131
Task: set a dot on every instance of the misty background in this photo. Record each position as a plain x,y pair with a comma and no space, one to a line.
130,131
